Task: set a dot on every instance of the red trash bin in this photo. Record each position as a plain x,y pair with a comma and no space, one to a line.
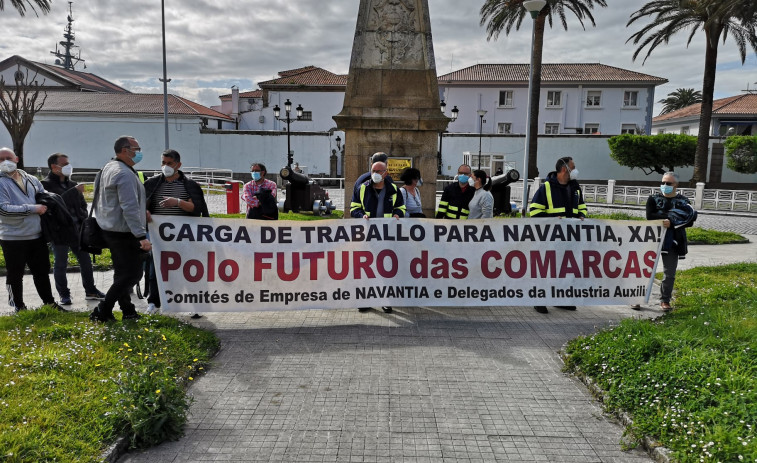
232,198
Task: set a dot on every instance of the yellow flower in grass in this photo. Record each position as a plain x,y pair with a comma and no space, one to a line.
191,379
157,391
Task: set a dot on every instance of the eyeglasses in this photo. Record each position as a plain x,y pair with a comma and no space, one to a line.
378,172
669,183
134,148
253,170
464,173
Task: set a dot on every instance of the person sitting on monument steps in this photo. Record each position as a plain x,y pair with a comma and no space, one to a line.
376,157
377,198
457,196
560,196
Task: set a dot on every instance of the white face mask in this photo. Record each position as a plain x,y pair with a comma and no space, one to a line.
376,177
574,174
67,170
168,171
8,166
471,181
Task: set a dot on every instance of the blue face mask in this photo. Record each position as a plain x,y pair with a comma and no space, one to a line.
462,178
255,176
666,189
137,157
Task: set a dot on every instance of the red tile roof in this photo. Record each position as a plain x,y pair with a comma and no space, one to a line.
745,104
125,103
308,76
250,94
572,72
85,80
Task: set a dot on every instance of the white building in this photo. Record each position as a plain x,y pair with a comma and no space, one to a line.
575,98
735,115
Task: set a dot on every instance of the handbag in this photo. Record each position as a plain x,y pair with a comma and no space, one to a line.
91,238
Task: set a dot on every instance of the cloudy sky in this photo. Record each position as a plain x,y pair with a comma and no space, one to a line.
212,45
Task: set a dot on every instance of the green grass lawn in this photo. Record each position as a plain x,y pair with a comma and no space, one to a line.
689,378
70,386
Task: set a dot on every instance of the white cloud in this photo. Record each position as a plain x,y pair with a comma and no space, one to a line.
212,45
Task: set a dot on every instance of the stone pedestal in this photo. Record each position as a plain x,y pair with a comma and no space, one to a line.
391,103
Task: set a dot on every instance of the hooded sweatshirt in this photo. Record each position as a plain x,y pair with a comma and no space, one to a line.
18,219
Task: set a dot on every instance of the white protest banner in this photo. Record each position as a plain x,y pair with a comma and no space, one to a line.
220,265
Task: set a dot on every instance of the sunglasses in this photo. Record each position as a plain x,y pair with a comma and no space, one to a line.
669,183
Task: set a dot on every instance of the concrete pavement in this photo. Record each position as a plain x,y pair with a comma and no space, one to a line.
421,384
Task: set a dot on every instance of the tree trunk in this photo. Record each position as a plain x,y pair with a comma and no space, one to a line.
705,117
533,116
18,149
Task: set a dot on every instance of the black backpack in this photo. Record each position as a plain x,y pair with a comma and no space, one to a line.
267,210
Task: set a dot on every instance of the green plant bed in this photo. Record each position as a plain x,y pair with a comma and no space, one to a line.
689,378
71,386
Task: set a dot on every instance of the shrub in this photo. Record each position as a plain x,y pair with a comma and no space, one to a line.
741,154
653,153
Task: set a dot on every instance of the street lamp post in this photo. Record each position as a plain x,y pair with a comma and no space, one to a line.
533,7
455,111
481,114
288,120
165,78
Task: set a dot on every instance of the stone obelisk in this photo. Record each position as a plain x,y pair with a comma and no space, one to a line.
392,99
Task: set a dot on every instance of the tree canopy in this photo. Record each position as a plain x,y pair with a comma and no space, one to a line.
21,5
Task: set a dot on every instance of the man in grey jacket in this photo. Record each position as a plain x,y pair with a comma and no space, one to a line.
21,232
120,210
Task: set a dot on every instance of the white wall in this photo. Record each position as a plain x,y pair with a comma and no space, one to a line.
89,143
9,76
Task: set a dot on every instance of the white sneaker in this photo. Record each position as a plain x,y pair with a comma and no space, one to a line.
151,309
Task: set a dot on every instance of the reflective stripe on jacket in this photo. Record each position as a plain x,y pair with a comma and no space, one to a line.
549,201
365,201
454,202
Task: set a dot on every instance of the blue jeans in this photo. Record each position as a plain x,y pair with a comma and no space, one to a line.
60,252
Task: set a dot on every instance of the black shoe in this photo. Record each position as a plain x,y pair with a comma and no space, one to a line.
19,308
541,308
131,316
566,307
65,300
636,307
196,316
55,305
97,316
363,309
387,309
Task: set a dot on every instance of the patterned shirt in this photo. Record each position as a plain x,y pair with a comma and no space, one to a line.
252,187
173,189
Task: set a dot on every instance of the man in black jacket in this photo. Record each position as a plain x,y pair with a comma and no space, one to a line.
59,181
457,196
171,193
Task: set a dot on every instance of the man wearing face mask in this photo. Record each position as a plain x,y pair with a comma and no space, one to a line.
252,190
560,196
677,214
21,232
171,193
59,181
376,198
457,196
120,211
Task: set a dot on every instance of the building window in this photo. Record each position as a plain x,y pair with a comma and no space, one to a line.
593,99
504,127
505,98
628,128
591,128
551,129
307,116
630,99
554,99
685,130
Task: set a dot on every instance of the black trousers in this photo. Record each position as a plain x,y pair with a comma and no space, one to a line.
19,254
127,271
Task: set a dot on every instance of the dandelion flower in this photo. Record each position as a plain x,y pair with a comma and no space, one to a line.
157,391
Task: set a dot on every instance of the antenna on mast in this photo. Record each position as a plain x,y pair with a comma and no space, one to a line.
66,58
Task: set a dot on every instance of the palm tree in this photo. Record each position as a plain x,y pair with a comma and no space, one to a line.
499,15
679,99
20,5
717,19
